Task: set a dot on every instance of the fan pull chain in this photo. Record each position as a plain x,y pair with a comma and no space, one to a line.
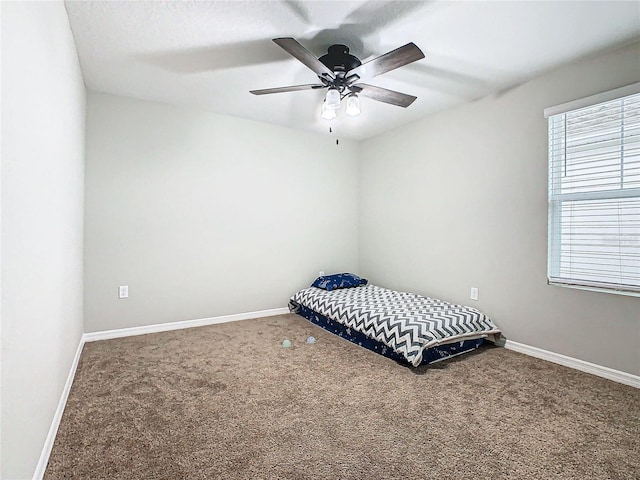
337,139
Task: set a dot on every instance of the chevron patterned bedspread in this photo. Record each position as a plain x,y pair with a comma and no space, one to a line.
406,322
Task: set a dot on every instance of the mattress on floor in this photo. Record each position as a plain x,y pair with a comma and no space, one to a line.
406,325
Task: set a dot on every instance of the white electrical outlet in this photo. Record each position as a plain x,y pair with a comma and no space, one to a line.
474,293
322,273
123,291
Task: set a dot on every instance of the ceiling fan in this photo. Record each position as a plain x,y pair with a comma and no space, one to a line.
341,73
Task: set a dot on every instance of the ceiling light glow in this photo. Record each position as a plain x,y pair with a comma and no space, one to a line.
332,99
328,113
353,105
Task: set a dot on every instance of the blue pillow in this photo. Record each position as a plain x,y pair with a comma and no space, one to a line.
339,280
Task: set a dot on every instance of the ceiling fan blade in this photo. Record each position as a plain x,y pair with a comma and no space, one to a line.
292,88
293,47
389,61
383,95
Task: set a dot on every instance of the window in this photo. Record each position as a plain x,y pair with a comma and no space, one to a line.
594,192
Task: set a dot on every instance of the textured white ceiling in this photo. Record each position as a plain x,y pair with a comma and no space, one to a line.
208,55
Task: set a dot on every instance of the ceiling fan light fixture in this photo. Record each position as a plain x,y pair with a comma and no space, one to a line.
353,105
328,113
332,100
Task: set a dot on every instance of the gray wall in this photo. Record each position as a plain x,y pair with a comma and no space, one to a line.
43,108
459,199
204,215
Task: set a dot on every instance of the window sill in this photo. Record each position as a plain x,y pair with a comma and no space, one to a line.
626,293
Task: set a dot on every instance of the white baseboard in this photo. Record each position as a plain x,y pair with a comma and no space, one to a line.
55,423
165,327
599,370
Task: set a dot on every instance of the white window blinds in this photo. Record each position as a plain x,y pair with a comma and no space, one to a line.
594,195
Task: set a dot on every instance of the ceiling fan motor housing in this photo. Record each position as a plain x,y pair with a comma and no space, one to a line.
339,60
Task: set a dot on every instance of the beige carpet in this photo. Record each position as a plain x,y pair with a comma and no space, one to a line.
227,401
